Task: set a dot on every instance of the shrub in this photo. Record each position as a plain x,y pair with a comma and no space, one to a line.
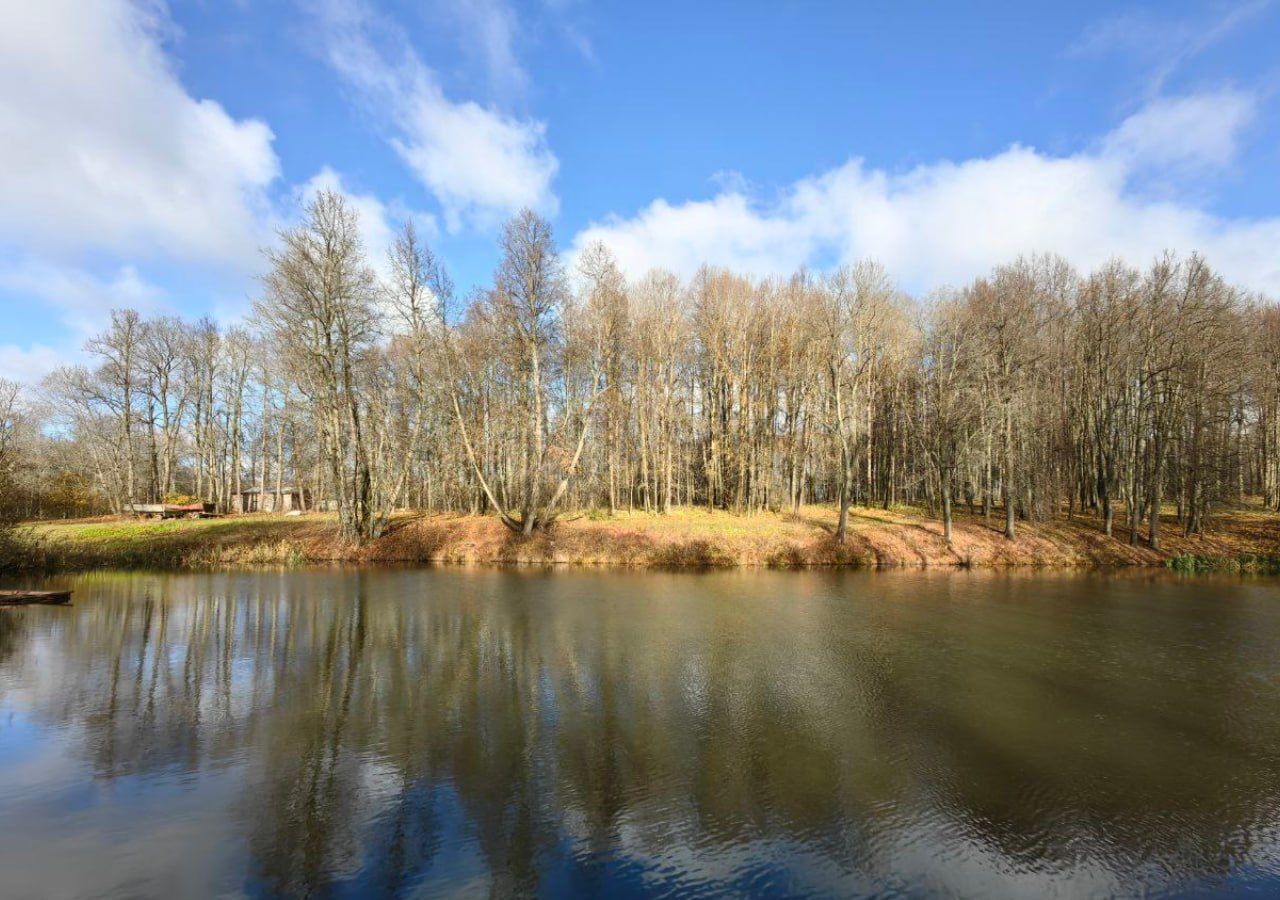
1243,564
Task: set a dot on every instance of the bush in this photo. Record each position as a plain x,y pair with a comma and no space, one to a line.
1244,564
20,550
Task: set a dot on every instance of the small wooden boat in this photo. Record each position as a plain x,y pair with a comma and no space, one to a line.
22,598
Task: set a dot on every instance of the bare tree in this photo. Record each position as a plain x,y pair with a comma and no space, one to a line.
318,308
947,413
1133,396
117,377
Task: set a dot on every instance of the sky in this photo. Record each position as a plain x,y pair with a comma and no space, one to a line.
150,151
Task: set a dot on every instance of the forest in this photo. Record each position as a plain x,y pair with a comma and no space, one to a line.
370,386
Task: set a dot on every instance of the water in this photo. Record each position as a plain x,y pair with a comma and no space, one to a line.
458,732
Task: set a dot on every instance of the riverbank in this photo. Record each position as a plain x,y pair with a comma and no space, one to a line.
686,538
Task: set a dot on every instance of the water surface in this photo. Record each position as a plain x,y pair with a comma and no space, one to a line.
459,732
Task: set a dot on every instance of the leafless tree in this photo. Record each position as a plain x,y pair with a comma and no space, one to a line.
1140,397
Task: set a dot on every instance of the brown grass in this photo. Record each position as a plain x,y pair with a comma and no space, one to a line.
682,539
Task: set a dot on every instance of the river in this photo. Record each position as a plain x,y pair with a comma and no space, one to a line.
479,732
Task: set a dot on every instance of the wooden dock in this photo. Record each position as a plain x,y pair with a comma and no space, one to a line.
26,598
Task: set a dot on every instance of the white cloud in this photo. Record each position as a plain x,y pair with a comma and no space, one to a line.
1162,45
947,222
727,230
83,301
101,146
1197,130
27,365
491,26
80,301
480,164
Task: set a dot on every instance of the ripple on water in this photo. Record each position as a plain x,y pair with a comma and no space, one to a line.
589,734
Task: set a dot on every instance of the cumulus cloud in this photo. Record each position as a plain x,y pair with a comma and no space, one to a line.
101,146
947,222
478,162
105,157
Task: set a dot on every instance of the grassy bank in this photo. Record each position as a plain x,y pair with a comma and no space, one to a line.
1241,541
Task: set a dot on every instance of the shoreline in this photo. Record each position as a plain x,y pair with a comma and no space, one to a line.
1246,540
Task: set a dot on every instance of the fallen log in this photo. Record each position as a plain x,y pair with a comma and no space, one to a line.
24,598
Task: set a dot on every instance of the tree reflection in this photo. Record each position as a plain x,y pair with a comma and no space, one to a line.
10,634
587,733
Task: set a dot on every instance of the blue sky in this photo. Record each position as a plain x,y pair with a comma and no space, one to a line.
148,151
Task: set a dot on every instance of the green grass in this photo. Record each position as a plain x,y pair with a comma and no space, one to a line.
131,532
181,543
1243,564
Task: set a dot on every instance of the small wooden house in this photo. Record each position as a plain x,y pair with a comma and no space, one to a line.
286,500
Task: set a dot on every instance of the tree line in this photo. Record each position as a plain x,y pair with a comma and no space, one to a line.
370,386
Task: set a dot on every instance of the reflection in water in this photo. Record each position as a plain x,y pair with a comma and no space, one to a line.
406,732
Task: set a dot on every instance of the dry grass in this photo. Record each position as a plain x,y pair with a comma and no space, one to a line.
684,538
